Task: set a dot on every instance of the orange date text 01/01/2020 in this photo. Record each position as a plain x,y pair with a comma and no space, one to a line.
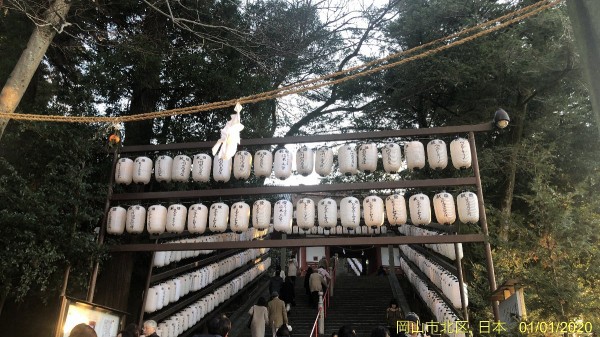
492,327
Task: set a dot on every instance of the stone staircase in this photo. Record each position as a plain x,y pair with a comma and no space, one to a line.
360,301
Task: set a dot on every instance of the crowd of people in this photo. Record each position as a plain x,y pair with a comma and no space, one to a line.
273,314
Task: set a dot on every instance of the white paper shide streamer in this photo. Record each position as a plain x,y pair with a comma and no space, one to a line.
230,136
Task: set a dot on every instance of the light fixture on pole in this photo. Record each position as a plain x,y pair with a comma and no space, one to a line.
501,118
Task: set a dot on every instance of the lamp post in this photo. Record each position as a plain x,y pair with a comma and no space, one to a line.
501,118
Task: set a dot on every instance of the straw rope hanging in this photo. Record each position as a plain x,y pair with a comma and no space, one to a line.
319,82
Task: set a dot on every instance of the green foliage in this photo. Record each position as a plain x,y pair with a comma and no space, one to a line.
51,197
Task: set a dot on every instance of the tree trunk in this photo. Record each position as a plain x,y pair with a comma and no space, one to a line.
30,59
511,166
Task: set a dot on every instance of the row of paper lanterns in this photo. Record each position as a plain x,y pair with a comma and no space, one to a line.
350,162
188,317
440,309
220,216
446,249
165,258
443,279
340,230
161,294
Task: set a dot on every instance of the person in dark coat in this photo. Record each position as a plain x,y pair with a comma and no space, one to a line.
306,278
275,282
288,294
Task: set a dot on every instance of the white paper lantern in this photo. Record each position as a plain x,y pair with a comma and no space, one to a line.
242,165
460,151
468,207
176,215
197,219
305,160
324,161
305,213
367,157
156,219
201,167
180,171
261,214
151,300
263,163
115,223
415,155
162,169
392,158
142,170
445,211
239,217
222,169
124,171
348,160
282,165
373,211
350,212
437,155
160,299
218,217
282,215
420,209
136,217
395,207
327,213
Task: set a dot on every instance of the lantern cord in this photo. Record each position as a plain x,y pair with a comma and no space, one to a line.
316,83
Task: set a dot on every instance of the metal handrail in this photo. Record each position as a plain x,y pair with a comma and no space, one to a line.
314,330
326,303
